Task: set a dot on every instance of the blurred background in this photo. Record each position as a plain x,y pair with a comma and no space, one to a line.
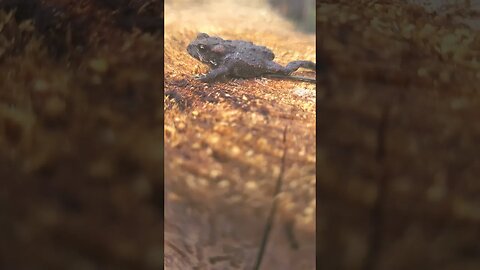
301,12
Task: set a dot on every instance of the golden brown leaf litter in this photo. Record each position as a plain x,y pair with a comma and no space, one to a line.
398,148
224,144
81,144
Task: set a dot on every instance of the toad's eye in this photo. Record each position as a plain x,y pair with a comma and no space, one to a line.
202,47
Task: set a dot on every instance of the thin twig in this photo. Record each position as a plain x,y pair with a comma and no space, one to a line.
377,213
278,188
291,77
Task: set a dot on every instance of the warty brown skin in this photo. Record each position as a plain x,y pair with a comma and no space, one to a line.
238,59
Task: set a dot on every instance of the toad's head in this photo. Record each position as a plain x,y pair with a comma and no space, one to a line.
208,50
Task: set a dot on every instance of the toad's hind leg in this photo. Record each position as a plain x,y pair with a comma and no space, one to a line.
294,65
275,68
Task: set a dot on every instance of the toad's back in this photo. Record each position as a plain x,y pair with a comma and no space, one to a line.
247,48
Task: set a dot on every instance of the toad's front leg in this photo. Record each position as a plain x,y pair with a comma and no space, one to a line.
215,74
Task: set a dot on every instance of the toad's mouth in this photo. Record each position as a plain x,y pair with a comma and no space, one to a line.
200,57
206,61
195,53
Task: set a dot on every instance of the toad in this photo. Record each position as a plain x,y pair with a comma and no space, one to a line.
240,59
